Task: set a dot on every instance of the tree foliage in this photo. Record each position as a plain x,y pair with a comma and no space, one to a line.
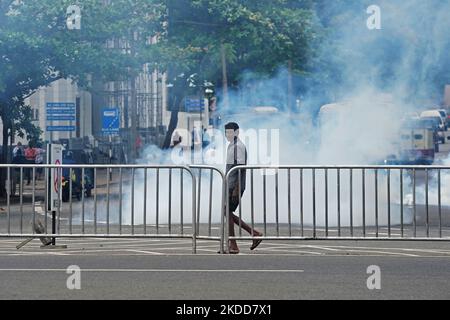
258,36
36,48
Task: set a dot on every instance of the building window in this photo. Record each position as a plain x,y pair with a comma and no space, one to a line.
35,114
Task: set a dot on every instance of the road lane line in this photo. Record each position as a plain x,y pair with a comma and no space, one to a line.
162,270
146,252
382,248
383,252
281,249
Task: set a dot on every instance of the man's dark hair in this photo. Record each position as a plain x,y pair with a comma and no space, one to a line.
232,125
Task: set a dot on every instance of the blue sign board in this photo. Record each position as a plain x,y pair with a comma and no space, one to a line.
60,128
60,105
110,120
194,105
60,118
60,111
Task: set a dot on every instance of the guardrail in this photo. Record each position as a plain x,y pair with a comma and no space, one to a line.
282,202
213,206
343,202
101,201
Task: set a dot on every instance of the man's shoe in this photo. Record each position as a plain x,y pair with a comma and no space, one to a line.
256,242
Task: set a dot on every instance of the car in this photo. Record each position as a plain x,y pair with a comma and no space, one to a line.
441,113
445,117
448,118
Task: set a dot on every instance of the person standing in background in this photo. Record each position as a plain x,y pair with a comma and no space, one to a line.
30,158
17,152
39,160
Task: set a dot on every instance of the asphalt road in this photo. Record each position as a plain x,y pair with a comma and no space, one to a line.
166,269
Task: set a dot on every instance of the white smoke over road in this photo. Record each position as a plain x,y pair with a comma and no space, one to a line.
380,76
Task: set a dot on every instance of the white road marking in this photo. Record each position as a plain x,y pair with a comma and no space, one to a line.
376,248
146,252
125,243
342,248
280,249
322,248
382,252
208,250
161,270
25,253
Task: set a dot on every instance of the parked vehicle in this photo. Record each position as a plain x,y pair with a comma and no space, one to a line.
445,117
417,144
448,119
440,113
434,126
436,117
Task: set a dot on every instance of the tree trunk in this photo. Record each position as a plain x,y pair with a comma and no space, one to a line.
175,97
173,123
4,159
172,126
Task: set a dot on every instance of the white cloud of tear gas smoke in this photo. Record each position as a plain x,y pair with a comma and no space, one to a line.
383,74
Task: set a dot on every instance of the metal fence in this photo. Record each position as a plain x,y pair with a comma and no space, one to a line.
100,201
210,206
282,202
343,202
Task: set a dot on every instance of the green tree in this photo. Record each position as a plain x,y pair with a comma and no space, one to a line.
36,48
223,38
259,36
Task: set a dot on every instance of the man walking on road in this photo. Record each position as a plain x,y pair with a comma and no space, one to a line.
236,155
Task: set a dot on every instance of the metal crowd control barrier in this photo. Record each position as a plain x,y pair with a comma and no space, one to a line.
283,202
343,202
107,201
210,208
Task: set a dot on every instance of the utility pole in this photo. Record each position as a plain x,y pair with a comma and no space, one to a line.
133,105
289,87
133,118
224,76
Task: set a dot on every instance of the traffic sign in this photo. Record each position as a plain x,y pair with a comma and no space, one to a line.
194,105
60,104
60,128
110,120
60,118
54,186
61,111
60,108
